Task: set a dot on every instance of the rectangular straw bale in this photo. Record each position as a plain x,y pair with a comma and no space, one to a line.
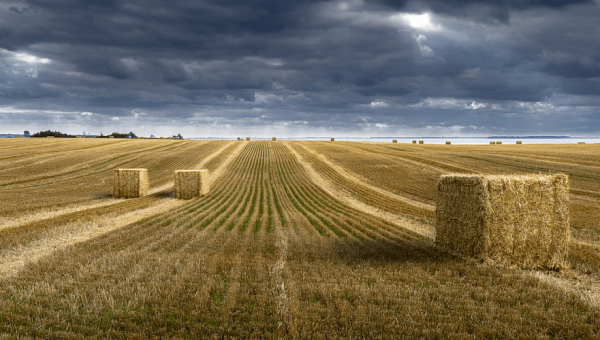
448,142
78,136
18,137
394,141
519,142
498,142
49,136
414,141
332,139
420,142
273,139
492,143
191,183
247,138
130,183
580,142
508,221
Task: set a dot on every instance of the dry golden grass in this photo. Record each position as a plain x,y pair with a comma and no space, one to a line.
271,253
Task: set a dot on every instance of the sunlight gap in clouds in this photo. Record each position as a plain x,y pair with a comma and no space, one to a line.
417,21
31,59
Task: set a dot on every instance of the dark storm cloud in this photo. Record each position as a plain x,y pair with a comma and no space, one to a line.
491,12
373,66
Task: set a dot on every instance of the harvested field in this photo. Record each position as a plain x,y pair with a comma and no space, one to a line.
270,252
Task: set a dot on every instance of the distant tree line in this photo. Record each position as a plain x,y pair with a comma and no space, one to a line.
52,133
57,134
119,135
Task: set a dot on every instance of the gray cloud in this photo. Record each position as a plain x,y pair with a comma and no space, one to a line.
361,67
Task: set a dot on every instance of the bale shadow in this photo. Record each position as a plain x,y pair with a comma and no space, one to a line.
370,251
102,195
165,194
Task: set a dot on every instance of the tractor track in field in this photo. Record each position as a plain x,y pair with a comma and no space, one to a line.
363,182
422,229
12,262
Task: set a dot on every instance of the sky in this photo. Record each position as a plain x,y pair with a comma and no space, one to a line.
363,68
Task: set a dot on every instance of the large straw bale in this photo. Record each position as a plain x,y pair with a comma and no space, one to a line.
448,142
499,142
507,221
111,136
580,142
18,137
78,136
519,142
130,183
394,141
492,143
191,183
273,138
49,136
332,139
414,141
247,138
420,142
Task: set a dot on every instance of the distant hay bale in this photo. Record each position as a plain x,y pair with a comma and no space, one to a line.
191,183
519,142
247,138
161,137
492,143
498,142
169,137
332,139
508,221
414,141
130,183
448,142
273,138
394,141
111,136
49,136
580,142
78,136
420,142
18,137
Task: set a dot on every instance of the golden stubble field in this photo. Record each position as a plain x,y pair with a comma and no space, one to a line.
295,240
